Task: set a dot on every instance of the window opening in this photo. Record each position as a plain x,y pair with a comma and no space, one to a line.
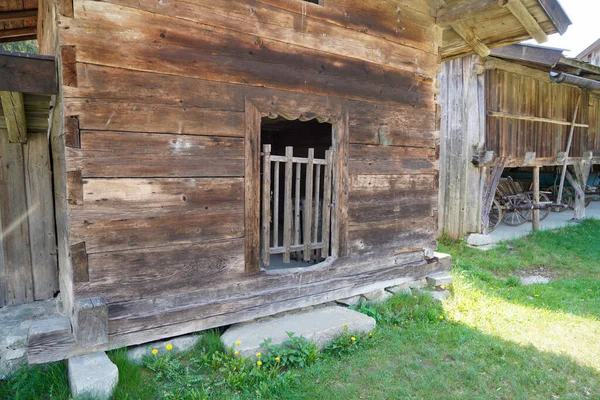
319,2
296,192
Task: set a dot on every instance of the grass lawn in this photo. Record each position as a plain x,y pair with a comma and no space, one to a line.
494,338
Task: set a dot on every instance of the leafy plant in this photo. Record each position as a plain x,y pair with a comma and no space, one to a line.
295,352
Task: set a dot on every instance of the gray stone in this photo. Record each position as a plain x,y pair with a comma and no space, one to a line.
180,344
399,289
377,296
91,322
92,375
419,283
320,325
440,279
477,239
440,295
350,301
534,280
443,259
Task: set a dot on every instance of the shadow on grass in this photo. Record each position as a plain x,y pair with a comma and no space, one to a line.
446,360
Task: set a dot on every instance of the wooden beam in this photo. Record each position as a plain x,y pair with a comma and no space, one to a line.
532,27
252,188
28,73
535,224
464,10
556,14
19,39
18,32
496,63
9,16
14,115
465,32
580,65
499,114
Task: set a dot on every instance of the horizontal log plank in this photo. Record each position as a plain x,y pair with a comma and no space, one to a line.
378,160
9,16
232,57
31,74
121,154
499,114
140,117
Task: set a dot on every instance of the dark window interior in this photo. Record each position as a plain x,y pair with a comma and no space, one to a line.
314,1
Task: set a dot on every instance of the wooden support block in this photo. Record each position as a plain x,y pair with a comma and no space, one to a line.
69,66
72,134
529,157
14,115
49,340
79,259
75,187
518,9
91,322
465,32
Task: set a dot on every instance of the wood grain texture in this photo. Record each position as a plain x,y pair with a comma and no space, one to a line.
127,154
252,188
32,74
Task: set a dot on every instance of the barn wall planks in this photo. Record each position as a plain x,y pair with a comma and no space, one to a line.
160,99
463,130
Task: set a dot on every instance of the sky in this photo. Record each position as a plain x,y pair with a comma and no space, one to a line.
584,31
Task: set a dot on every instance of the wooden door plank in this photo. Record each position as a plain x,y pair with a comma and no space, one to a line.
266,205
15,224
14,116
287,207
308,202
252,188
40,203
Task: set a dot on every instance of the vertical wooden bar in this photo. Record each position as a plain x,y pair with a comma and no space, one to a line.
297,204
536,198
266,205
276,205
339,212
326,204
308,204
287,205
316,208
252,188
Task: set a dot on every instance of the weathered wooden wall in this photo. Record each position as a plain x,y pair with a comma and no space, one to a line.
28,265
154,98
524,95
593,57
462,135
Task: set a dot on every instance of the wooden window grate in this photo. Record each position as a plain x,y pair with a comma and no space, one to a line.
306,219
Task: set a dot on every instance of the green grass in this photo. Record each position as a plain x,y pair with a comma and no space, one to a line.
494,338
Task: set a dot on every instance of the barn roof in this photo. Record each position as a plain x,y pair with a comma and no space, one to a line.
476,26
593,47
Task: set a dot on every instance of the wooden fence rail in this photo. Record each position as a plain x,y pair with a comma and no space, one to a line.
306,218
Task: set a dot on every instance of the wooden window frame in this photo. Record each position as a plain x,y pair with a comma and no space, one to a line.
252,182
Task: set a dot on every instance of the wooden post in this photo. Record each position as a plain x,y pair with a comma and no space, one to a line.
308,204
297,205
564,166
536,198
276,205
316,207
326,204
489,192
266,205
287,205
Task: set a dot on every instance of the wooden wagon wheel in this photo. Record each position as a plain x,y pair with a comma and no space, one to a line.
544,212
513,216
566,199
495,217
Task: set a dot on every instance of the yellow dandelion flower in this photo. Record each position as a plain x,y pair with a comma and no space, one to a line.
155,351
353,338
346,325
169,346
536,295
238,342
258,354
237,353
441,317
277,359
259,363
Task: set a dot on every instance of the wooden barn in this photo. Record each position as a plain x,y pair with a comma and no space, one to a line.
524,107
218,161
591,55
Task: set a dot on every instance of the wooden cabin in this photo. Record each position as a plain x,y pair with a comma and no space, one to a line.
219,161
591,55
521,107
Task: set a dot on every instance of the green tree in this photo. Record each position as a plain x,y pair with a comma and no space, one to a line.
26,46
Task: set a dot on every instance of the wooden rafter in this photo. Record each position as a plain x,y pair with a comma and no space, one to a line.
14,115
27,74
9,16
532,27
465,32
17,33
465,10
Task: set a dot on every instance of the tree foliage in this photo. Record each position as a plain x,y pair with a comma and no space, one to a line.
26,46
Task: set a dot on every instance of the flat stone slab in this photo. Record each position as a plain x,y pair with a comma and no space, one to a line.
320,325
440,295
93,375
440,279
477,239
377,296
180,344
350,301
534,280
403,288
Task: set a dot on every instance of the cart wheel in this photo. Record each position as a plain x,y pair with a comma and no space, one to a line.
495,217
514,217
567,199
544,212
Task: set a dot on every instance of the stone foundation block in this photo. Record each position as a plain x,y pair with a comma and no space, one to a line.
377,296
476,239
92,375
350,301
440,279
180,344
